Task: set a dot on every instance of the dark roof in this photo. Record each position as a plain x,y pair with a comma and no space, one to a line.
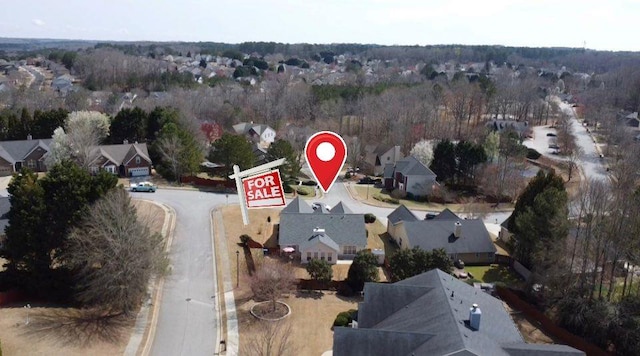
435,234
298,220
428,315
401,213
446,214
410,166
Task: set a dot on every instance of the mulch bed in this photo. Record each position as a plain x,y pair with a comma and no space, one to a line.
266,311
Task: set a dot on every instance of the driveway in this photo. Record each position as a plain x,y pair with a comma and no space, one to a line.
187,319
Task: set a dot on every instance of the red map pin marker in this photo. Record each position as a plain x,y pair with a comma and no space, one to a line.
326,153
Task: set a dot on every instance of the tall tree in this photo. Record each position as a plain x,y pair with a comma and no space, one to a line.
179,152
271,280
230,150
115,254
129,125
319,270
283,149
363,269
407,263
84,130
444,161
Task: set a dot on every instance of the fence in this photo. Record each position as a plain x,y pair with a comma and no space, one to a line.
546,324
10,297
204,182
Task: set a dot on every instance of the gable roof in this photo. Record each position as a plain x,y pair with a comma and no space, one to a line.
123,153
340,208
446,214
319,237
435,234
298,220
428,315
401,213
410,166
16,151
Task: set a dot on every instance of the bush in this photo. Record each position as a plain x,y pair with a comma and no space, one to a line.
344,318
301,191
385,199
287,188
347,175
309,183
369,218
533,154
398,194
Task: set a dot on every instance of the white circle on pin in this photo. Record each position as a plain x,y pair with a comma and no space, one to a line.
325,151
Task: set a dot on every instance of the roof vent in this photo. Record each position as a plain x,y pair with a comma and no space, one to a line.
457,229
318,230
474,317
29,137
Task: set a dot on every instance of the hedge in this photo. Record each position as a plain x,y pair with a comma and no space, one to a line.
344,318
384,199
369,218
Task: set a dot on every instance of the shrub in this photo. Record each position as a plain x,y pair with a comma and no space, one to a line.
347,175
302,191
309,183
398,194
287,188
533,154
344,318
369,218
384,199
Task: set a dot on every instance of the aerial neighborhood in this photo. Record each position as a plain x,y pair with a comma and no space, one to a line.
489,203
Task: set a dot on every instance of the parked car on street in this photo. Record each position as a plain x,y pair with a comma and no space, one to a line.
143,187
369,180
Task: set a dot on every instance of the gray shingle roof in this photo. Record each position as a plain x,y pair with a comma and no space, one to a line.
410,166
446,214
340,208
18,150
297,221
428,315
434,234
122,153
401,213
388,170
319,237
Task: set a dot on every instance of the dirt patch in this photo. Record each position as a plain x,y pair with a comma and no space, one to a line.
69,331
530,332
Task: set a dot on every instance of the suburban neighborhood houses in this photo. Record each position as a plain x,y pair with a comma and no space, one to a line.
490,203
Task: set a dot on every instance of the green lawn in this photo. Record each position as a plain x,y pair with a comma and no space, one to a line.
494,273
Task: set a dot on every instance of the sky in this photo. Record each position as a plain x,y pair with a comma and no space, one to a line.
596,24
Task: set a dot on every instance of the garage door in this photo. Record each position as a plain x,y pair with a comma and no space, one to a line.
5,171
137,172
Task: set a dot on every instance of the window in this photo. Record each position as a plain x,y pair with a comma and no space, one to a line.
322,256
349,250
31,164
329,256
315,255
94,169
308,256
137,159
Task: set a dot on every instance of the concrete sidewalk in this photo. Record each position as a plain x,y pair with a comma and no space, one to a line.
233,337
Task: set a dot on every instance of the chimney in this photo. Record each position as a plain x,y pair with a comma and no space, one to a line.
29,137
474,317
457,229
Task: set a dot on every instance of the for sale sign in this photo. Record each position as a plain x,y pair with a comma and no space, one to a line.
264,190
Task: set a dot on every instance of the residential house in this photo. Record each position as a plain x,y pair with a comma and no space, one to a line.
632,120
262,134
126,160
378,156
464,239
23,153
335,234
259,155
410,176
520,127
435,314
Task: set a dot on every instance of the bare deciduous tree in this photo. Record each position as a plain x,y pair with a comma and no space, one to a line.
116,254
84,131
269,338
271,280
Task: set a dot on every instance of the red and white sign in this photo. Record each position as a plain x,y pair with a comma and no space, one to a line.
264,190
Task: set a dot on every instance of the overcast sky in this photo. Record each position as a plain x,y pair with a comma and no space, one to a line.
602,24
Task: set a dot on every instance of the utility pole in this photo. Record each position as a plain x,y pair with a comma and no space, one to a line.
237,268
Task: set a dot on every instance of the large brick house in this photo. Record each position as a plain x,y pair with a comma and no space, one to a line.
23,153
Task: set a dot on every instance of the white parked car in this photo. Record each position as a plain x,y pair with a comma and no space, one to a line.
143,187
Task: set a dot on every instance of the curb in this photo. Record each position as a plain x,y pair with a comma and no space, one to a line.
143,346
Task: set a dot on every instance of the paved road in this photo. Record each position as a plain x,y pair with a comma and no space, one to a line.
188,327
590,161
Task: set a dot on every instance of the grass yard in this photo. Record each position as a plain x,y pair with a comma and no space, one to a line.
494,273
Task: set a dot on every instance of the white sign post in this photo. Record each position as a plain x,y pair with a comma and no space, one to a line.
238,175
